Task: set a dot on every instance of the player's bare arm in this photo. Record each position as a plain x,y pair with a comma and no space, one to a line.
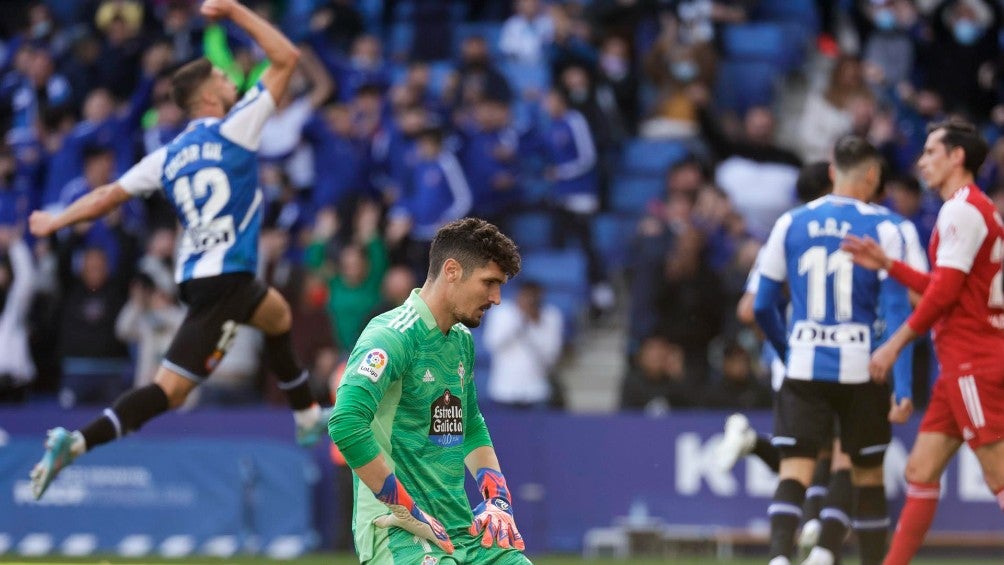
885,356
280,51
91,206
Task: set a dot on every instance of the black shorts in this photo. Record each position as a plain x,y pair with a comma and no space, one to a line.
804,413
215,306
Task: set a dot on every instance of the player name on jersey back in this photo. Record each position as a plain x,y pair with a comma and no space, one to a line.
190,154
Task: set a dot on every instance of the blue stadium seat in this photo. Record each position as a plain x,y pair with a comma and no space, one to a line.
643,156
630,194
802,12
612,233
563,269
781,45
531,230
743,84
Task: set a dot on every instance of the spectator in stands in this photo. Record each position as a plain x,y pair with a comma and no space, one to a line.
354,280
282,134
570,43
438,194
690,301
395,152
149,320
182,29
120,22
524,337
395,289
673,65
313,334
35,86
334,25
95,361
597,105
340,158
476,76
833,112
886,36
653,242
489,155
757,174
657,380
365,66
526,33
736,387
617,76
17,288
959,60
904,196
570,157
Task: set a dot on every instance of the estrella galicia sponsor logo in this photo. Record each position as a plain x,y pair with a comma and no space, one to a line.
446,426
373,364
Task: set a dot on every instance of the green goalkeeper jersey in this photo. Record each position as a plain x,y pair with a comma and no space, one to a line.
408,392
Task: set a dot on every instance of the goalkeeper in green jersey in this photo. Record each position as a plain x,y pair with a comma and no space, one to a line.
407,419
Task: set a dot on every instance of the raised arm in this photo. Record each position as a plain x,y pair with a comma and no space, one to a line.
91,206
281,53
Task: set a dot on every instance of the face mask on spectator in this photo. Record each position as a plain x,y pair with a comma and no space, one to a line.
41,29
966,31
613,66
885,19
683,71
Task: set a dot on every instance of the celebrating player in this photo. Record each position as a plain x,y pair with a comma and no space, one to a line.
834,307
963,299
407,417
209,174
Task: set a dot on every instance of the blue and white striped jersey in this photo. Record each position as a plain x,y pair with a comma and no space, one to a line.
834,303
209,173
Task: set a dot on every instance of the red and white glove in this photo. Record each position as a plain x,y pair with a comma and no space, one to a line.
493,518
405,514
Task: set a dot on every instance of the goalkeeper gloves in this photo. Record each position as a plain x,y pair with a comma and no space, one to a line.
493,518
405,514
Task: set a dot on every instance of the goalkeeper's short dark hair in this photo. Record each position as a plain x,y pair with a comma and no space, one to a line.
473,242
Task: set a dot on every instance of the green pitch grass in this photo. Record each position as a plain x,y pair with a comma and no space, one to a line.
346,559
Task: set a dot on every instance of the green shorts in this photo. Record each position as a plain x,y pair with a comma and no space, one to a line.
398,547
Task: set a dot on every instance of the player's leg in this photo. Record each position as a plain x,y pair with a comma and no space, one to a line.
802,418
940,436
929,456
126,415
985,414
815,499
738,441
991,458
272,316
834,516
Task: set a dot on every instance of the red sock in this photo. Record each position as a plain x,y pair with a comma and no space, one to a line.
914,521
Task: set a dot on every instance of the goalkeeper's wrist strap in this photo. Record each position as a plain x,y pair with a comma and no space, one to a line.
492,484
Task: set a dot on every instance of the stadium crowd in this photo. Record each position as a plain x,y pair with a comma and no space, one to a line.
625,145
